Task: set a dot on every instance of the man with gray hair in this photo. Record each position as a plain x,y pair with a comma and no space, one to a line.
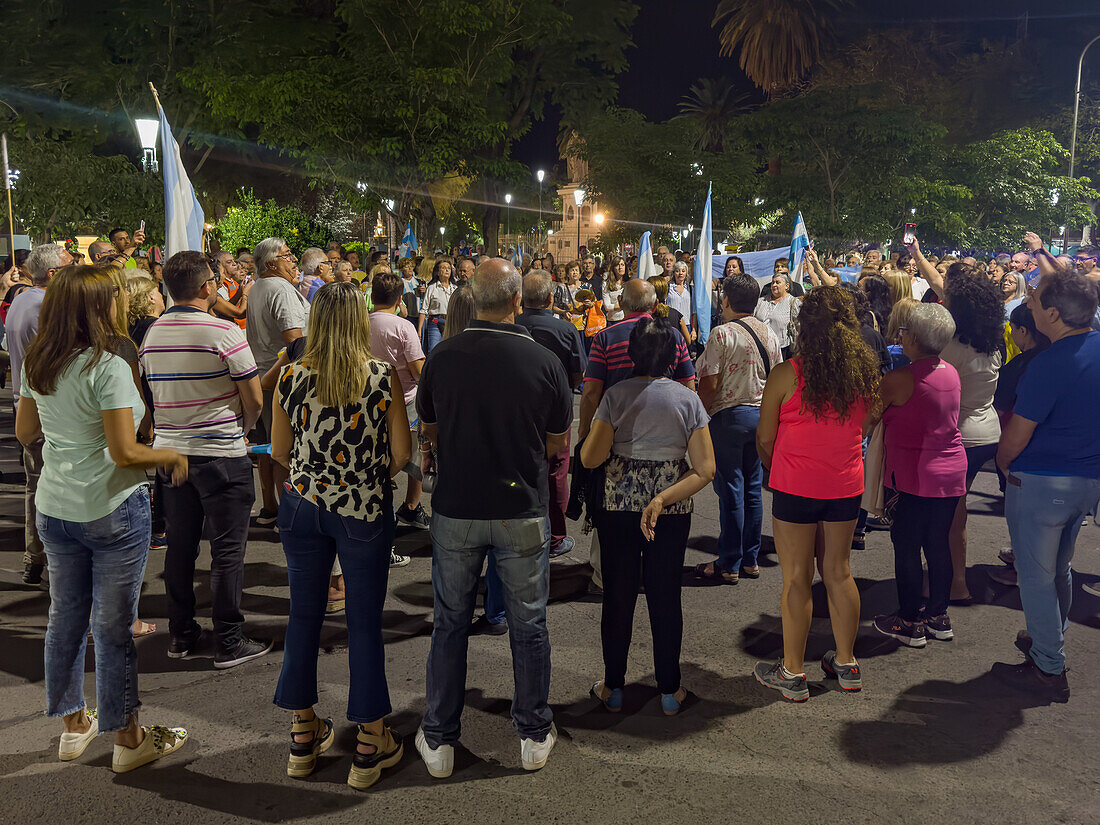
277,314
563,341
491,494
312,260
609,363
22,327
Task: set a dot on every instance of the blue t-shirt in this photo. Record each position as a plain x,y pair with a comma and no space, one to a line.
1060,391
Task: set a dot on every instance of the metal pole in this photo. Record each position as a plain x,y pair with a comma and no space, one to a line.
540,217
1073,134
578,232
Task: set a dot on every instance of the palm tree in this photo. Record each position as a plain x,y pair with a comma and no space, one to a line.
711,104
779,40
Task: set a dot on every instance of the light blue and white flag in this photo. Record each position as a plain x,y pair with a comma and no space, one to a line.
646,268
800,242
517,257
183,217
701,284
408,243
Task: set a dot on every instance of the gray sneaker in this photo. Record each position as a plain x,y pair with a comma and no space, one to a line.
774,677
417,518
847,676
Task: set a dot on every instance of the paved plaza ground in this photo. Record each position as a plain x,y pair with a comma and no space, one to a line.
933,737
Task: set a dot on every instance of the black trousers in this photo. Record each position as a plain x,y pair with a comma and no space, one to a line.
628,558
218,495
922,523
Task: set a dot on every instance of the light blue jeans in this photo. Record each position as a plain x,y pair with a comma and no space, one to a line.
522,560
96,569
1044,515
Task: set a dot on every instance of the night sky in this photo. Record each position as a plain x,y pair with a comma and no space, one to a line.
675,45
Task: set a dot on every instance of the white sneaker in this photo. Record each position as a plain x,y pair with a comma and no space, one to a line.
159,741
74,744
439,761
534,754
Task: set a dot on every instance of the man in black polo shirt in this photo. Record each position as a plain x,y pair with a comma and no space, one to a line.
494,404
563,340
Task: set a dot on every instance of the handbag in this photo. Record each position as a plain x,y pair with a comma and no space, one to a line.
874,467
595,321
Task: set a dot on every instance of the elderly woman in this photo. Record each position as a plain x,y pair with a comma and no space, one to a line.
679,297
309,263
779,311
1013,289
926,468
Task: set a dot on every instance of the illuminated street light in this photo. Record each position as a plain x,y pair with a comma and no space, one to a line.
147,129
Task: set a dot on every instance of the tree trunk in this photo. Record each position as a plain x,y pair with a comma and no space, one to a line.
490,219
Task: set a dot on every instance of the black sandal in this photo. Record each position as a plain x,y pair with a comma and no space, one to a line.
701,572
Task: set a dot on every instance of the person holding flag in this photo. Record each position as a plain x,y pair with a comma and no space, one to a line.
408,246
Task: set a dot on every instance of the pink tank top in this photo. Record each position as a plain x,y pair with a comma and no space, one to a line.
924,450
818,458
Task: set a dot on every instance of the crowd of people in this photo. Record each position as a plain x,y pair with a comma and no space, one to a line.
874,403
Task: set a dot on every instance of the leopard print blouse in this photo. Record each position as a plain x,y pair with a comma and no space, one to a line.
341,455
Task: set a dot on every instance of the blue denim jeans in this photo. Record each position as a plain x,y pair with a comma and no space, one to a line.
96,569
1044,515
737,482
522,560
312,538
433,333
494,592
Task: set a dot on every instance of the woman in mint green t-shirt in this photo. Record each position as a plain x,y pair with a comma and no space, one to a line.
93,512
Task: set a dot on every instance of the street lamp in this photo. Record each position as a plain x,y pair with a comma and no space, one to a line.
147,129
508,217
578,197
540,175
1076,107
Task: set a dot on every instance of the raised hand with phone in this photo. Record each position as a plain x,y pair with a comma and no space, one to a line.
927,270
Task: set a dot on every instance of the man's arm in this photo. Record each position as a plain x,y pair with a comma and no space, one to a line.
1042,258
590,400
708,389
251,401
1015,436
290,335
415,368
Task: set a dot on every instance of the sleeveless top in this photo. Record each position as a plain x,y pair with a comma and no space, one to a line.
924,449
817,458
339,456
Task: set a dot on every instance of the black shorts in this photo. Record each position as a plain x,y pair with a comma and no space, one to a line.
799,510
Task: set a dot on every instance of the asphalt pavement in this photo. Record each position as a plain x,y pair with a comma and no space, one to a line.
933,737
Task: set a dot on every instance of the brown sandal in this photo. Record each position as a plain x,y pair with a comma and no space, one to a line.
709,570
366,768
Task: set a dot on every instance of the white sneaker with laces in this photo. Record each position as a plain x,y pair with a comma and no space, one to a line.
534,754
439,761
73,745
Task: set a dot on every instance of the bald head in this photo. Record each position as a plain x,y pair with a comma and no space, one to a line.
98,249
496,285
638,296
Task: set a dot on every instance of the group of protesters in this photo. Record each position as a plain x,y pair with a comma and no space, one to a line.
873,403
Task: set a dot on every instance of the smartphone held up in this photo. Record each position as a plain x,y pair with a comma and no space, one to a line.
910,234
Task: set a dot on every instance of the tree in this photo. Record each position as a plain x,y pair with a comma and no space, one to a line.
254,220
779,40
711,103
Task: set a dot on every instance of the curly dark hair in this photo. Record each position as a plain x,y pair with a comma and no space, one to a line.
977,307
838,366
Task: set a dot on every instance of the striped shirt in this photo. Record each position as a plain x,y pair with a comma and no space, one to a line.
609,360
192,362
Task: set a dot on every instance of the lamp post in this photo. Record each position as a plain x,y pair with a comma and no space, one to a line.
442,232
508,217
540,175
1076,107
578,198
147,129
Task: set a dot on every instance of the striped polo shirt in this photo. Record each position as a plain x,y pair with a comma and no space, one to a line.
609,359
192,362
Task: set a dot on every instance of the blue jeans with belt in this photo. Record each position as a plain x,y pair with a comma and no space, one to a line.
96,568
737,482
1044,516
312,538
521,550
433,331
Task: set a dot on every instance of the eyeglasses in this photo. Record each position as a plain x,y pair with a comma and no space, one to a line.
117,291
287,256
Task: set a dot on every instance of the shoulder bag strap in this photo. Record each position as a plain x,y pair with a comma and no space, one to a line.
759,345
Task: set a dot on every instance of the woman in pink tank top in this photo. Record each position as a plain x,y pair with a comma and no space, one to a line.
926,468
810,438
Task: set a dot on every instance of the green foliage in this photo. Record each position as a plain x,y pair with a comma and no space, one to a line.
254,220
65,189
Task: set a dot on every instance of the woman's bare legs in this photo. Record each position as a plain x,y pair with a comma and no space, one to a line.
794,544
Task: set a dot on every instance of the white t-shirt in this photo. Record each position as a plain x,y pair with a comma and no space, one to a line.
920,286
681,301
436,298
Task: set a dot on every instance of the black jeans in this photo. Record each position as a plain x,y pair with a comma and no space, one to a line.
922,523
627,557
218,493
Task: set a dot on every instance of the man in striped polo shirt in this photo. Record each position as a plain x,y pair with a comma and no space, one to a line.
609,363
206,396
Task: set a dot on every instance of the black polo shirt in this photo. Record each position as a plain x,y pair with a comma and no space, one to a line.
495,394
559,336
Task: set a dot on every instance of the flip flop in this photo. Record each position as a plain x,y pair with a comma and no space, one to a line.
701,572
143,628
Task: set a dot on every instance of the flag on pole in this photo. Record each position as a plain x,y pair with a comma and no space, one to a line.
646,268
183,217
701,285
408,243
800,242
517,257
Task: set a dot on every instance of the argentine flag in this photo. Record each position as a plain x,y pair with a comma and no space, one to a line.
646,268
408,243
517,257
800,242
701,284
183,218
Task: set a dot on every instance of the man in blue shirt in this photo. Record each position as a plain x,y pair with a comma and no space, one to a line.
1050,452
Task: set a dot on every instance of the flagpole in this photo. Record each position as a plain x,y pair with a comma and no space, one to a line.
7,185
